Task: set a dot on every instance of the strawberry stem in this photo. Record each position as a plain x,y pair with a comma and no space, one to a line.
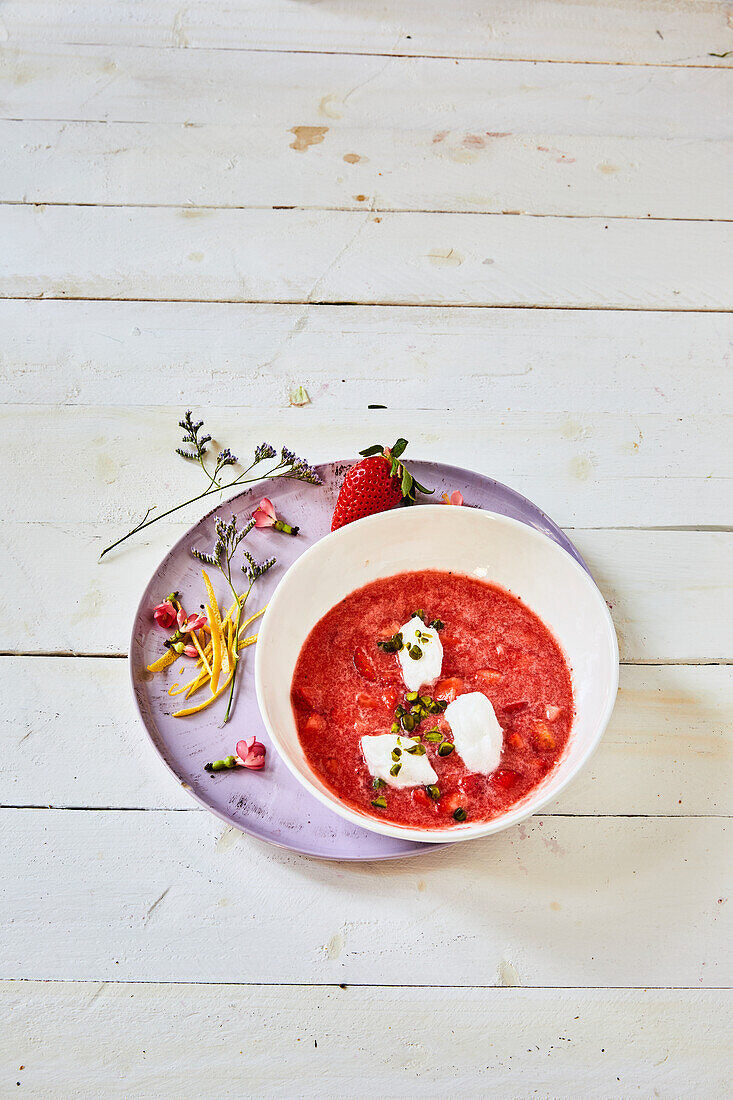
408,484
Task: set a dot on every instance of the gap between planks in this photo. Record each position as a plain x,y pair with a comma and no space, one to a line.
681,63
310,209
355,985
665,662
202,809
43,297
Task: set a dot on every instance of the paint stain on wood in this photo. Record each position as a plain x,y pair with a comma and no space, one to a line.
335,946
193,212
360,198
328,106
305,136
556,906
508,974
440,136
196,257
463,156
607,169
445,257
352,158
581,467
227,840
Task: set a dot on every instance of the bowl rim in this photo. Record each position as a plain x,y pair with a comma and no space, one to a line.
472,830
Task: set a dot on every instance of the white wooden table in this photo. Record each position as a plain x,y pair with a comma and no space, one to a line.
509,223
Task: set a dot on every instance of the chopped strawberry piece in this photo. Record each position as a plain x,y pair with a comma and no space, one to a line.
488,676
332,765
303,698
369,701
315,723
471,784
390,697
512,708
552,713
504,778
449,803
516,741
421,797
363,665
544,736
388,631
449,689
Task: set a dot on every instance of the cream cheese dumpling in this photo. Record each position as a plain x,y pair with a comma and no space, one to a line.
399,761
421,656
477,735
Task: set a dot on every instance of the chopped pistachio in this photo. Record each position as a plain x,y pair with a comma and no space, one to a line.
445,748
434,792
377,783
396,768
460,814
379,803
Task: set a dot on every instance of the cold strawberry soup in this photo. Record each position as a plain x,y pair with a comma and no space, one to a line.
431,698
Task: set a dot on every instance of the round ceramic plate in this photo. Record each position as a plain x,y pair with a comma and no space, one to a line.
271,804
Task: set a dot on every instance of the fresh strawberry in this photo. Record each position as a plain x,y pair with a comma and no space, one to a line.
504,778
363,665
376,484
449,689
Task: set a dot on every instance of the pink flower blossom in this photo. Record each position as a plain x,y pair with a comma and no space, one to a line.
251,753
165,615
456,498
190,651
265,515
187,623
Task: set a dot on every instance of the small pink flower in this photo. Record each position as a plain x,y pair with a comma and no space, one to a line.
456,498
190,651
251,753
187,623
165,615
265,515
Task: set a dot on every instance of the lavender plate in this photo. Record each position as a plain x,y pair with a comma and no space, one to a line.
271,805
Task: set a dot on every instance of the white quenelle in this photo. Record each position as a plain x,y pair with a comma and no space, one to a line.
416,771
477,735
425,669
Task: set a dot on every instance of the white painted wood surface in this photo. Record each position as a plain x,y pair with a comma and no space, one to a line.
444,171
480,1041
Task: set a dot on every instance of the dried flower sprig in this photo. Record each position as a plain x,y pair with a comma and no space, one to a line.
196,449
228,540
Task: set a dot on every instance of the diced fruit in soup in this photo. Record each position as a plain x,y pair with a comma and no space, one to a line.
346,687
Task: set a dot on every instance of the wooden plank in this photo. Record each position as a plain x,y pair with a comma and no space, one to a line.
556,901
344,256
71,738
669,591
133,163
347,357
665,33
585,469
121,1040
365,94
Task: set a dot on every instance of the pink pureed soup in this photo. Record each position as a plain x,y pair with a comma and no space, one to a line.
348,684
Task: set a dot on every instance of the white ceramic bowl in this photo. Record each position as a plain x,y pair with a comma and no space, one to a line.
467,540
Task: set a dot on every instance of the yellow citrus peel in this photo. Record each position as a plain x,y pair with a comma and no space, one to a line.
207,702
167,659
